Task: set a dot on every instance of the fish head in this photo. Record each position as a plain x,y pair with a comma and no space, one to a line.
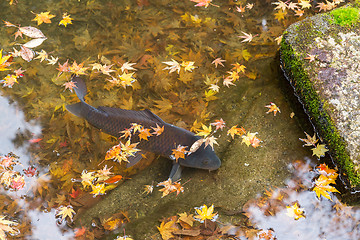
203,158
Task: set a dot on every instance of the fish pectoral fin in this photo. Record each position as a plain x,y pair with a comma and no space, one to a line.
135,159
175,173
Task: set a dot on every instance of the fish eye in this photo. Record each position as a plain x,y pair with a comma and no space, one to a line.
206,161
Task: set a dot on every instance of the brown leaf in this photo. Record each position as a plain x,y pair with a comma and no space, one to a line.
31,32
187,232
26,53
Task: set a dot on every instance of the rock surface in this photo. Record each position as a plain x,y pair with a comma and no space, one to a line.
321,60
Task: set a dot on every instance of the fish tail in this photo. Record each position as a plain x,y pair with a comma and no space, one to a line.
80,89
79,109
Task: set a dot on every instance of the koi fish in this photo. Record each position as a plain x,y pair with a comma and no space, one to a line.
114,120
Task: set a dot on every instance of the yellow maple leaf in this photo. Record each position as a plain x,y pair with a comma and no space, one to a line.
127,79
66,212
87,178
322,187
205,213
205,131
78,69
295,212
66,19
234,130
43,17
98,189
304,4
319,150
188,65
3,62
251,139
166,229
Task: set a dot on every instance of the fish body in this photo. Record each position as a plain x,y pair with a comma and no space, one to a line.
114,120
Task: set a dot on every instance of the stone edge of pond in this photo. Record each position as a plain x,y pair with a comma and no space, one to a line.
296,42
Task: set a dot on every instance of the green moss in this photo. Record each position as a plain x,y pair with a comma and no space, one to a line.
345,16
317,110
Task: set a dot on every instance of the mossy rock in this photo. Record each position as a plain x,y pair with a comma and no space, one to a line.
328,85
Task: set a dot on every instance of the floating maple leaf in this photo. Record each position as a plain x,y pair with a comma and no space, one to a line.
188,65
98,189
66,19
210,141
219,124
319,150
3,61
326,171
78,69
202,3
65,212
295,212
309,141
169,187
172,66
53,60
179,152
205,213
304,4
251,139
322,187
158,130
273,108
127,66
42,55
9,80
43,17
144,134
247,37
205,131
280,5
218,61
234,130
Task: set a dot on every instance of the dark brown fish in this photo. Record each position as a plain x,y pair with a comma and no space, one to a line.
114,120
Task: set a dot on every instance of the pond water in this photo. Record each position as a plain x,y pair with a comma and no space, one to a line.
191,66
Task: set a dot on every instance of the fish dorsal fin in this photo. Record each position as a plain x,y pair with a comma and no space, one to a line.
153,116
145,114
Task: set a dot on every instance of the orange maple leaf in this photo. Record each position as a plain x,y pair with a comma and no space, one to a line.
179,152
43,17
144,134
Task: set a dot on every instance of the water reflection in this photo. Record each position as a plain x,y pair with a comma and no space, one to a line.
42,225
